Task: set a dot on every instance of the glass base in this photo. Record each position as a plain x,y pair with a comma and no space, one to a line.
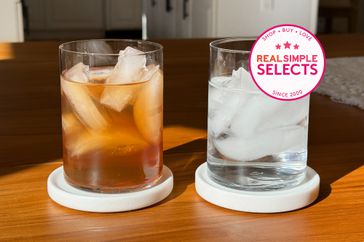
250,178
111,190
274,201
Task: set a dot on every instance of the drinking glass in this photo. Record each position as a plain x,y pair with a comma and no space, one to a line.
112,107
255,142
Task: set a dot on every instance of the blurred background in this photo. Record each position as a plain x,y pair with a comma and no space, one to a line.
31,20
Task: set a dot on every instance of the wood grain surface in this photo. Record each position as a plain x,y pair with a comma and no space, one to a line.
30,148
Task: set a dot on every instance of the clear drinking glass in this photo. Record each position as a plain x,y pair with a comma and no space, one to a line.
112,107
254,141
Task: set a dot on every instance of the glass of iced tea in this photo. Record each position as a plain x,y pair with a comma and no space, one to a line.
112,114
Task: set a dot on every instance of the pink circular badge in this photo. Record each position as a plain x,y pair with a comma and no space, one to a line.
287,62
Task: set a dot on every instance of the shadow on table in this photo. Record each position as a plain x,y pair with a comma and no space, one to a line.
184,165
333,164
336,138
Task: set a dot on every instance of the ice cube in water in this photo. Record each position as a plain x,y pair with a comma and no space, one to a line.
254,136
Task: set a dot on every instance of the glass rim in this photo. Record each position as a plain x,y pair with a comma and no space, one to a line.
158,46
214,44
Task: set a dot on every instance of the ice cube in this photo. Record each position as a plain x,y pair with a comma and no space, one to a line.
223,106
149,72
130,63
247,94
262,144
70,124
226,96
260,113
223,103
78,73
117,97
272,113
148,106
99,75
254,124
78,96
99,47
242,79
129,69
288,113
119,143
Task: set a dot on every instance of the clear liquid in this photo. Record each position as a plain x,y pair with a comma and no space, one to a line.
255,142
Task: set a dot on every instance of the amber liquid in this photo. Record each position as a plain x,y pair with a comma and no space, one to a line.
112,134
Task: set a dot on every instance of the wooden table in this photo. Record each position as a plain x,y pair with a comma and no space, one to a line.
30,148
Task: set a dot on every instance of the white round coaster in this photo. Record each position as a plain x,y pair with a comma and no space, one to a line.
66,195
258,202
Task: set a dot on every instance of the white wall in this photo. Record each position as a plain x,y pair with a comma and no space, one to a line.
250,18
227,18
11,21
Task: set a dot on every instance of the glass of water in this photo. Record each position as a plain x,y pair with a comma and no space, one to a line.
255,142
